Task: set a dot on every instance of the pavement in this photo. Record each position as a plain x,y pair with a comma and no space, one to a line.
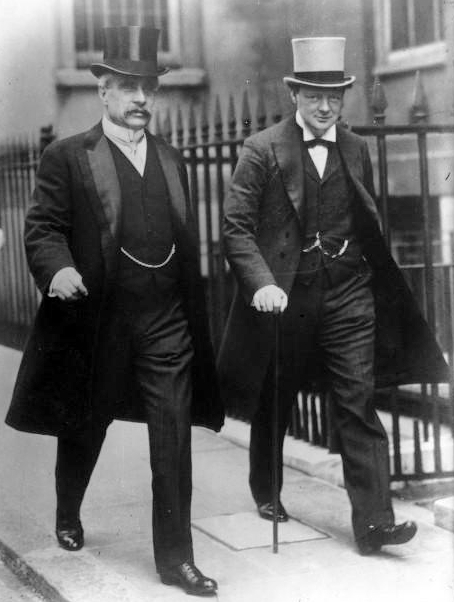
316,561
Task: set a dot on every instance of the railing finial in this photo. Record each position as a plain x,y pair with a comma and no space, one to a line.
232,118
379,102
205,124
167,127
156,125
261,110
180,128
246,115
218,119
277,109
192,124
419,111
46,136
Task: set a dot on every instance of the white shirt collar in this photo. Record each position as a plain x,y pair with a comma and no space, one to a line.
330,133
120,134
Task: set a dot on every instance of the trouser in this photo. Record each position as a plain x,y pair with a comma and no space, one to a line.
160,355
338,321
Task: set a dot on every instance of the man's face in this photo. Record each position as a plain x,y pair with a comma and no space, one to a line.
128,100
320,108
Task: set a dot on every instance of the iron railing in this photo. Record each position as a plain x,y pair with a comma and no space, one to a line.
420,418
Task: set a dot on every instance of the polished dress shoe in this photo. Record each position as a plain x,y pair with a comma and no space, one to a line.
188,577
385,536
70,535
266,511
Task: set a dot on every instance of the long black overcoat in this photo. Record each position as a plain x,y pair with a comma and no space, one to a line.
74,221
263,234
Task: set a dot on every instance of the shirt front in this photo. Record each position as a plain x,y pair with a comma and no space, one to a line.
318,153
132,143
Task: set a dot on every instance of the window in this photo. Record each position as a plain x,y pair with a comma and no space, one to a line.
408,34
90,16
414,22
80,37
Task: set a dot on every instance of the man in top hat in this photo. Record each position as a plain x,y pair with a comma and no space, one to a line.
302,236
122,329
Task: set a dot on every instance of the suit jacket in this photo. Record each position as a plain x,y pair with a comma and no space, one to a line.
263,234
74,221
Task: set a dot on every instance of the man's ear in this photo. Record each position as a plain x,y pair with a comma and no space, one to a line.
102,92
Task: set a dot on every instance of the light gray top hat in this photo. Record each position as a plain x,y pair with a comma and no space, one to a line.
319,62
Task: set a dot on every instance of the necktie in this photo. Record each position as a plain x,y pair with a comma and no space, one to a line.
318,142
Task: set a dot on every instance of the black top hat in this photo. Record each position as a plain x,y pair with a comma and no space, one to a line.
130,50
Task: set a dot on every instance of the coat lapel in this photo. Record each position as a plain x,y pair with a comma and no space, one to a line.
288,152
170,168
101,182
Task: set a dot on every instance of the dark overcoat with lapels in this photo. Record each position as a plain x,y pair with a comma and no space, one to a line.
263,236
74,221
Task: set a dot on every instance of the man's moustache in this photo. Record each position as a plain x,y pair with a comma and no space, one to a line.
141,111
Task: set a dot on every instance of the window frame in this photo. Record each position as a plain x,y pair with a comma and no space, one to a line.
404,59
69,75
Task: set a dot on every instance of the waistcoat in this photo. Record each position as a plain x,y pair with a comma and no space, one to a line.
327,209
146,231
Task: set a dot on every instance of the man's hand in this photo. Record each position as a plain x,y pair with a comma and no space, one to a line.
270,298
67,285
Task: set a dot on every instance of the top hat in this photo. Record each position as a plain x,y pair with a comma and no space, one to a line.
319,62
130,50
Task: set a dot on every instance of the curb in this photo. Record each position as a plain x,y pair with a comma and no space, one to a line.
28,576
444,513
317,462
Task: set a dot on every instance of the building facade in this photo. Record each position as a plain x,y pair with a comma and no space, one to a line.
220,48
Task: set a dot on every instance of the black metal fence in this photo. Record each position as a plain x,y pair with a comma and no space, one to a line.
420,418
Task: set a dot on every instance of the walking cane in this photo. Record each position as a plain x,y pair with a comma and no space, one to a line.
275,432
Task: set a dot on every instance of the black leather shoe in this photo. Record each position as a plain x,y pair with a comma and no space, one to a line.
266,511
70,536
188,577
385,536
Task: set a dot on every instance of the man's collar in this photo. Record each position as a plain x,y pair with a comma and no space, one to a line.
120,133
330,134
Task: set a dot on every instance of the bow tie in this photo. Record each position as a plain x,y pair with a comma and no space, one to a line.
318,142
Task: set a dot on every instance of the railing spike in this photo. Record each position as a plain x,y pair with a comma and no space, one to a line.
157,124
379,102
419,110
167,127
277,111
192,124
261,110
205,124
218,125
46,136
232,118
179,126
246,115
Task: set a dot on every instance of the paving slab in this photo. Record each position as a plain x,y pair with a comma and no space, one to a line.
246,530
